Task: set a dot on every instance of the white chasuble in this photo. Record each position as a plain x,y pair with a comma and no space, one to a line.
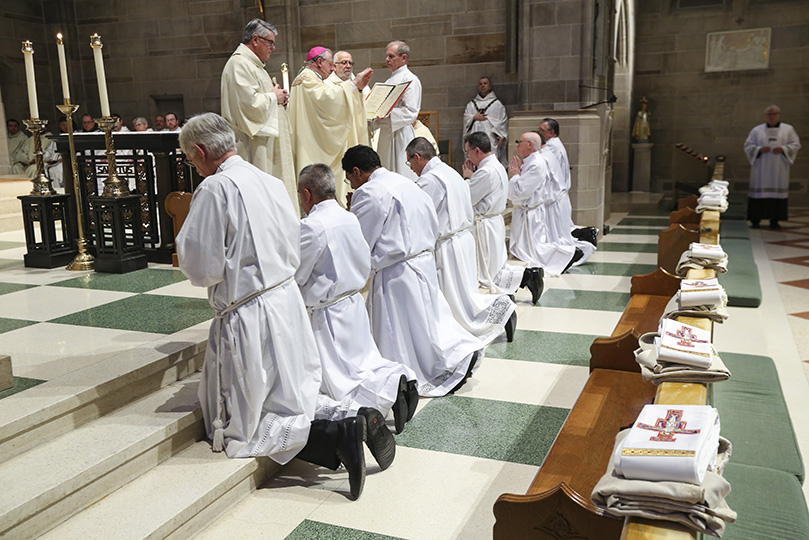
335,265
326,120
259,121
396,131
483,316
488,189
531,238
769,173
242,237
411,320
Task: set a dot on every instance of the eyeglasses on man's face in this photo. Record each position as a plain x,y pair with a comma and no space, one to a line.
345,63
269,41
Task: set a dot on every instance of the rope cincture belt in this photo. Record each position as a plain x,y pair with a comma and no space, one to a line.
219,423
453,233
333,301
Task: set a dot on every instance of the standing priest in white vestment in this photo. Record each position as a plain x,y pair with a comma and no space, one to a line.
484,316
335,265
254,106
535,239
771,148
487,113
326,119
396,131
488,189
410,318
260,382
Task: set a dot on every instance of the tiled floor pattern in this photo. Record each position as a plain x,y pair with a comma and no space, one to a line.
459,453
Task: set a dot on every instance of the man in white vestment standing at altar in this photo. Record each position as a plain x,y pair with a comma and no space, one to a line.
484,316
335,265
326,119
254,106
488,189
344,71
260,383
771,149
535,237
396,131
487,113
410,318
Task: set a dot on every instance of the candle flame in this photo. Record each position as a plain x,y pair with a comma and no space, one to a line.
59,35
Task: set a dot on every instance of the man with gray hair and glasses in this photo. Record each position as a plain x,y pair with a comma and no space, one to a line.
259,388
254,106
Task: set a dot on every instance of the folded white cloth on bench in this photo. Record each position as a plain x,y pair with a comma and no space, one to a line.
689,261
716,186
675,443
702,292
675,309
699,507
681,343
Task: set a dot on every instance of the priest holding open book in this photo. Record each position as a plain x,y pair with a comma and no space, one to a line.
326,119
396,128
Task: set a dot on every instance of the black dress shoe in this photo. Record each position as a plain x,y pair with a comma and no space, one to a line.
351,453
468,374
379,439
576,256
400,407
532,278
412,398
511,325
586,234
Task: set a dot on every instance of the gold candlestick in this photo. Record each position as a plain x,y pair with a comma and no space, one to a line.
113,186
42,184
83,260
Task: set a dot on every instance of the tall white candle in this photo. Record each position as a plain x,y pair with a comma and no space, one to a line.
285,73
60,48
95,43
28,54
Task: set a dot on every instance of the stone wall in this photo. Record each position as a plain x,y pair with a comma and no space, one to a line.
713,112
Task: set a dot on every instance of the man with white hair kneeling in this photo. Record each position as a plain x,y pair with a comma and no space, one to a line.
260,382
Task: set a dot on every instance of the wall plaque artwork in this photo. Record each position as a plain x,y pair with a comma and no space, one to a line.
738,50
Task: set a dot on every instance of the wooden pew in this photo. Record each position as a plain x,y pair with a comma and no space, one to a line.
650,294
672,242
557,504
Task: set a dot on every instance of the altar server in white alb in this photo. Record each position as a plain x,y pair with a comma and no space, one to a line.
260,382
535,239
771,148
488,189
254,106
484,316
487,113
410,318
396,131
335,265
326,119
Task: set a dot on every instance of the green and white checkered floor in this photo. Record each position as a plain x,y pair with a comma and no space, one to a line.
459,453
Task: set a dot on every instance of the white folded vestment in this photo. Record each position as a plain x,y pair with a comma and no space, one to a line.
674,443
702,292
681,343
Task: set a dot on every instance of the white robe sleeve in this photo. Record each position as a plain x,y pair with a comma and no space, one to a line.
468,117
201,248
258,111
751,146
479,185
793,144
498,119
370,214
312,245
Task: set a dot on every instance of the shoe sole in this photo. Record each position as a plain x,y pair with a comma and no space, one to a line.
384,450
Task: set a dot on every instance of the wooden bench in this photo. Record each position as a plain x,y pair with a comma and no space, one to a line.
178,204
650,294
557,504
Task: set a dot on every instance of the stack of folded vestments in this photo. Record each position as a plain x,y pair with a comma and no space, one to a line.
713,196
700,256
668,466
679,352
704,298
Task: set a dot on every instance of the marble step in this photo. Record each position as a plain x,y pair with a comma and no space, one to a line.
66,474
42,413
11,221
177,499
